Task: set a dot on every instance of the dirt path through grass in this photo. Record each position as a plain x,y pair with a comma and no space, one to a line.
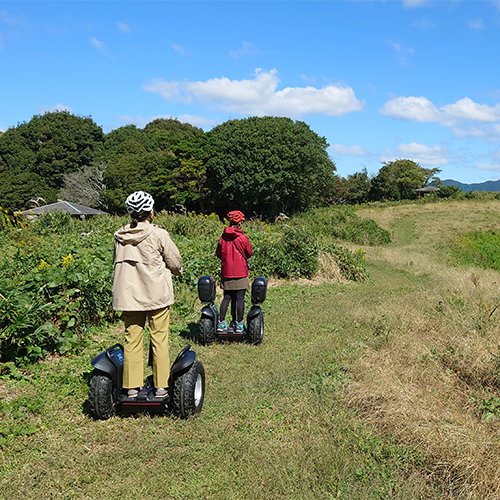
275,424
431,359
359,391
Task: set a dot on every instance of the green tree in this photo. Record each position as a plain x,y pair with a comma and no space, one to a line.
17,189
51,145
189,178
268,165
136,169
115,140
352,190
172,125
165,133
397,180
449,192
167,159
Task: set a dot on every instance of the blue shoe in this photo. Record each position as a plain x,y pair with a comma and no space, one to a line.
240,328
222,326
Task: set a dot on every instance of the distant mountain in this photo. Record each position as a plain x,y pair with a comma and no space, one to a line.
481,186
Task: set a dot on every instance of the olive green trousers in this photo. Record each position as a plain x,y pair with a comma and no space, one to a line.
133,353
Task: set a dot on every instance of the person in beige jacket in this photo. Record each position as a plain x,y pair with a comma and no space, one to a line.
144,259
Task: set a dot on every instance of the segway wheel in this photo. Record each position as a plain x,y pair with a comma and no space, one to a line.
207,331
189,391
255,329
101,397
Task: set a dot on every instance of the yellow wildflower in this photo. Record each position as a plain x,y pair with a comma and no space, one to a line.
67,259
43,265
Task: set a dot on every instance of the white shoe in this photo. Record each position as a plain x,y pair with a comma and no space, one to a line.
161,392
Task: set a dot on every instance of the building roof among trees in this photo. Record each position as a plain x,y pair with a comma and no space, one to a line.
427,189
65,206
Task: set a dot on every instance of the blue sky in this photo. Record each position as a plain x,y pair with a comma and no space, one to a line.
380,80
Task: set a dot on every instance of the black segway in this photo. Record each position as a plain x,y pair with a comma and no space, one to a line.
254,331
186,387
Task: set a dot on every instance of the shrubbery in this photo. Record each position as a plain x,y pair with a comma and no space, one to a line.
54,285
342,223
480,249
56,273
290,253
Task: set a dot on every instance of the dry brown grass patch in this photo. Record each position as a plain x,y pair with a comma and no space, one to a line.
432,353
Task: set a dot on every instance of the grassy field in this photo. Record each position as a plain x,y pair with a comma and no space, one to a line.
387,388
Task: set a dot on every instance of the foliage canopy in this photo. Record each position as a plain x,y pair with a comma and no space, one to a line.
36,155
397,180
268,165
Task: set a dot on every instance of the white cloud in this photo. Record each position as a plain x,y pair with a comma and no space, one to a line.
97,43
197,121
400,48
424,24
467,109
141,121
100,46
434,156
340,149
425,155
10,20
417,109
410,4
3,129
422,110
138,121
308,79
247,49
259,96
489,133
124,27
495,167
476,25
494,94
51,109
180,49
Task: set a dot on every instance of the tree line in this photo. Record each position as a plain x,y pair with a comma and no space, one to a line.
261,165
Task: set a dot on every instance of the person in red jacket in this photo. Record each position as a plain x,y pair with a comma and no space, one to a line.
234,250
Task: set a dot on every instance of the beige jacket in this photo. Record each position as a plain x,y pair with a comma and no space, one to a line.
144,259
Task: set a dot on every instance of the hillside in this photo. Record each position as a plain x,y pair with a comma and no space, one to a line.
481,186
384,388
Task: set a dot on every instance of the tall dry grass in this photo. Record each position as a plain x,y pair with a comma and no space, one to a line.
432,346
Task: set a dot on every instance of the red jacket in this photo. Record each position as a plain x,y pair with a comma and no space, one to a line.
234,264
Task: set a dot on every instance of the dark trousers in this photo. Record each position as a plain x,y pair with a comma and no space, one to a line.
237,299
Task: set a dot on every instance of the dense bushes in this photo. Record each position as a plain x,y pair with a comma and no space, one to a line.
56,272
480,249
54,285
342,223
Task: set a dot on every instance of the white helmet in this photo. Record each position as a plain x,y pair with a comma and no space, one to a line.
139,202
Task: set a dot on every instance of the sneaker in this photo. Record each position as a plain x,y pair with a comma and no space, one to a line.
240,328
161,392
222,326
132,393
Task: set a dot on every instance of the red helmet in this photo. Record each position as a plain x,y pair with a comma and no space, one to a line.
235,216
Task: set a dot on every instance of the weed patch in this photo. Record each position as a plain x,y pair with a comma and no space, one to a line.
480,249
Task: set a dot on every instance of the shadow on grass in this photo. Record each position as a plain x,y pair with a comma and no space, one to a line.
191,332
